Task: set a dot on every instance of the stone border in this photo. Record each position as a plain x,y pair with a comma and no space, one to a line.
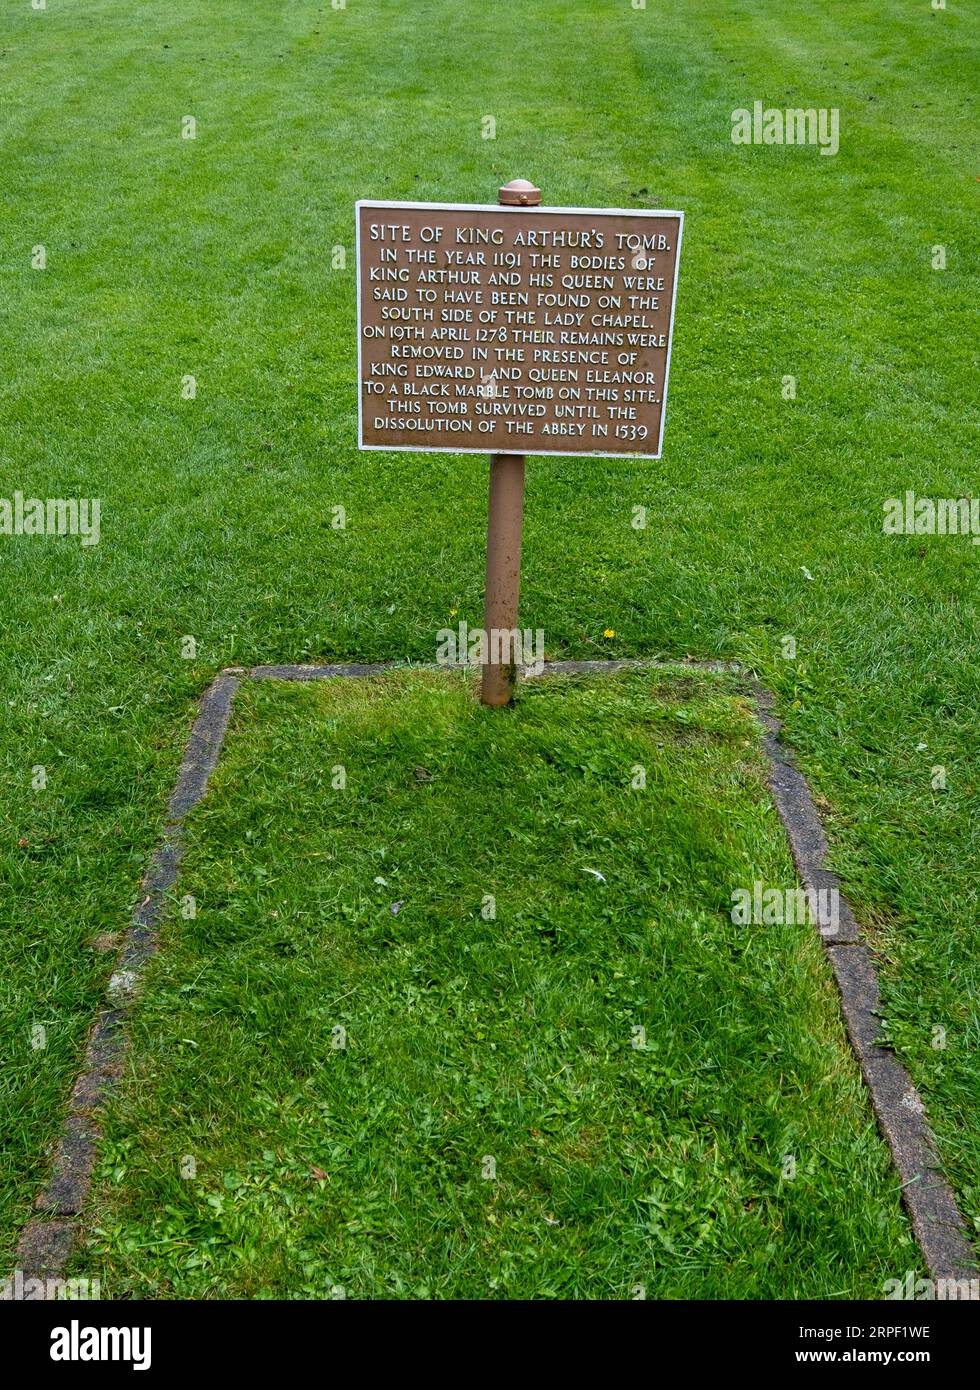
45,1245
46,1241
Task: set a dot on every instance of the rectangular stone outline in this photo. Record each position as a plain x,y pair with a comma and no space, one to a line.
45,1244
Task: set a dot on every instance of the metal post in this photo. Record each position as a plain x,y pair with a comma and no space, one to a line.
505,521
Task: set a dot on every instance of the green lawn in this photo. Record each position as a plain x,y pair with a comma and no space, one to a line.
409,1045
211,257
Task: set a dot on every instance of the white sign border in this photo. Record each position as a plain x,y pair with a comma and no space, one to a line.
509,210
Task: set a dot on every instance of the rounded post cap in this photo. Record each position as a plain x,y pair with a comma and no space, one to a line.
520,194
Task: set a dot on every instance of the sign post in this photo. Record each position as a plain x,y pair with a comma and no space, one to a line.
513,330
505,522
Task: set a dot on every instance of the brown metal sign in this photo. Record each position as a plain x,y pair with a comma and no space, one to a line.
514,330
